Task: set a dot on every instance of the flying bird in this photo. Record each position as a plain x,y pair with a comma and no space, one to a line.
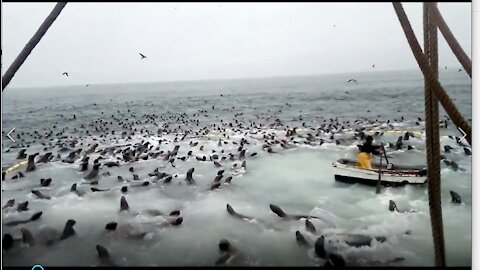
352,80
65,73
143,56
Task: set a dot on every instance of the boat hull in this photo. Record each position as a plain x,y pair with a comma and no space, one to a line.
347,173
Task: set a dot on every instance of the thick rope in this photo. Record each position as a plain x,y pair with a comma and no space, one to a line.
450,38
432,138
422,61
7,77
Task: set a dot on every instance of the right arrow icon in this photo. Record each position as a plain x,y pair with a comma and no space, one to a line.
8,135
463,132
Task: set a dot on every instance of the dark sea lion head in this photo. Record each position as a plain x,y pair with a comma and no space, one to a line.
177,221
277,210
320,247
36,216
455,197
102,252
336,260
224,245
22,206
111,226
175,213
124,204
27,237
392,206
7,241
230,210
10,203
68,230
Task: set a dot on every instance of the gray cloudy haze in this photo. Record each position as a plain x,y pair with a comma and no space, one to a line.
100,42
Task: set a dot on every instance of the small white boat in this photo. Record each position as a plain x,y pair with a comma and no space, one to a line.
347,171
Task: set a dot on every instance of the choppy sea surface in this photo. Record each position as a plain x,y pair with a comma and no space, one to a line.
298,179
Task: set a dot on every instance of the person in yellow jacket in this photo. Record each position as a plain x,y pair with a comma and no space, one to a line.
364,157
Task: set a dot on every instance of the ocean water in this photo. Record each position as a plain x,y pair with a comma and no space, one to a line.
299,180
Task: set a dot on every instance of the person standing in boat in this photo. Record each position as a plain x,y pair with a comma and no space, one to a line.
364,157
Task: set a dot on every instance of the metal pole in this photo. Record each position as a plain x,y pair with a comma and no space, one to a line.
7,77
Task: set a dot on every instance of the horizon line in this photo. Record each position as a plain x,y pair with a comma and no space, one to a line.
216,79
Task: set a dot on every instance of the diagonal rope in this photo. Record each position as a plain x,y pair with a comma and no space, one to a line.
428,73
452,41
7,77
432,137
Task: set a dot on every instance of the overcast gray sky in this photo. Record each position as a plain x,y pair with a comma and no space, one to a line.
100,42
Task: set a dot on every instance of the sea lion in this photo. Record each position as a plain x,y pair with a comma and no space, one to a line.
49,236
31,163
228,179
21,154
392,206
84,165
40,195
7,241
104,256
45,158
232,255
301,240
124,204
22,206
455,197
93,173
215,186
74,190
310,227
9,204
27,237
98,190
279,212
189,177
34,217
45,182
467,151
447,148
232,212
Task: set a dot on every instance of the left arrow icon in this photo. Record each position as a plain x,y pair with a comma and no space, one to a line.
8,135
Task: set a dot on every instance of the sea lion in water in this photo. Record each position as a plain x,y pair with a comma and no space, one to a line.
10,203
45,158
49,236
34,217
45,182
301,240
392,206
124,204
21,154
93,173
22,206
98,190
84,165
104,256
279,212
310,227
74,190
232,255
232,212
455,197
41,195
31,163
189,177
